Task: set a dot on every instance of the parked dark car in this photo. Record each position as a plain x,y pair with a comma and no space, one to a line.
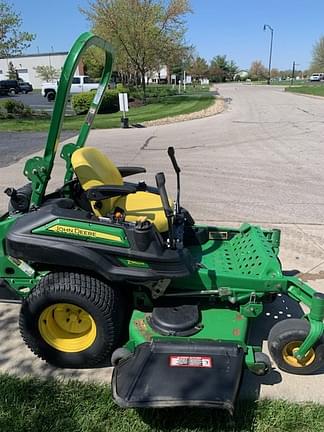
25,87
9,87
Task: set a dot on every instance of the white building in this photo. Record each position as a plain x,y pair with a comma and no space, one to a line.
157,77
161,77
26,64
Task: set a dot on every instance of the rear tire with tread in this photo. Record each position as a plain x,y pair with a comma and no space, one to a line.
101,301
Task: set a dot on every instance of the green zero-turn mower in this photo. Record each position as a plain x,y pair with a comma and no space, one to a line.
112,271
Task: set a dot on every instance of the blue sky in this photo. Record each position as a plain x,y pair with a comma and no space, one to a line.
233,28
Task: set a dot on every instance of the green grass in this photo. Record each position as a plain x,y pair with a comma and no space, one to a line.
37,406
314,89
167,107
282,83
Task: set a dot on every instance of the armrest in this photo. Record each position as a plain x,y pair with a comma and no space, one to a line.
100,193
128,171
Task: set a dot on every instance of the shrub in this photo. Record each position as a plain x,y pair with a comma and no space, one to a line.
153,91
14,109
110,102
81,102
3,113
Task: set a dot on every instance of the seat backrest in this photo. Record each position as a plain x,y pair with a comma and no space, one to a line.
93,168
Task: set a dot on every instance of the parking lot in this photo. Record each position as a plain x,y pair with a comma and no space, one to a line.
37,102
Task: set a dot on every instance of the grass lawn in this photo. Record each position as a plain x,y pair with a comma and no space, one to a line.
282,83
39,406
314,89
167,107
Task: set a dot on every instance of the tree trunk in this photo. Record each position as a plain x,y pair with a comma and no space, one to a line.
168,74
143,85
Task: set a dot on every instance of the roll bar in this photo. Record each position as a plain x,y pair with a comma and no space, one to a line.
38,169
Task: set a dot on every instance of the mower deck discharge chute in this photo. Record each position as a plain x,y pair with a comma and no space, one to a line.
109,270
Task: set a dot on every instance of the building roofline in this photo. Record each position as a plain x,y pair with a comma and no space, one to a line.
36,55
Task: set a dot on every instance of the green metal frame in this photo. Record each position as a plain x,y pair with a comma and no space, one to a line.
18,274
38,169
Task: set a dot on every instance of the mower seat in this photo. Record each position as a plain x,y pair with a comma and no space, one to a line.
93,169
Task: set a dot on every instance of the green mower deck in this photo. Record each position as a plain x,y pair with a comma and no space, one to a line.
108,272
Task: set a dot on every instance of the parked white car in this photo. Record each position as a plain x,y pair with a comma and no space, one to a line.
317,77
80,84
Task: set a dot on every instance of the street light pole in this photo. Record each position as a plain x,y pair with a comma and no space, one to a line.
293,72
270,53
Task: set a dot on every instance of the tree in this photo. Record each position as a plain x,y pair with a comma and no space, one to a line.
12,40
222,69
47,73
180,61
317,64
258,71
275,73
232,69
12,72
199,68
144,33
93,61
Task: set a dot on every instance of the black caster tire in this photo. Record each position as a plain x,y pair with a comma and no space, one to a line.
286,337
261,357
120,354
73,320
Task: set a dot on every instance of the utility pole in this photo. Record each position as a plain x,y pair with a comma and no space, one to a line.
293,72
270,53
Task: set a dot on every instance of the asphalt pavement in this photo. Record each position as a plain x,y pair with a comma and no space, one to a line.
37,102
16,145
260,161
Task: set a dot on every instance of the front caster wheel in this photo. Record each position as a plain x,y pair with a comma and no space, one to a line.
119,355
73,320
284,340
264,360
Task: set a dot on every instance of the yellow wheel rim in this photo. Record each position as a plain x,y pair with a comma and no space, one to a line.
288,355
67,327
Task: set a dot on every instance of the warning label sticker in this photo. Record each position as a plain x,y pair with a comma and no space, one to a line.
190,361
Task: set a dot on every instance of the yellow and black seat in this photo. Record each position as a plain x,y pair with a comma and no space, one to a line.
94,169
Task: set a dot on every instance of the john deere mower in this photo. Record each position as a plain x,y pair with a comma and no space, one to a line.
110,271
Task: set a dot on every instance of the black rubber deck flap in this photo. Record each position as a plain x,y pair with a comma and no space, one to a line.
165,374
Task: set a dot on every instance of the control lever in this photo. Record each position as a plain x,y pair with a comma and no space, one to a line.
160,183
171,154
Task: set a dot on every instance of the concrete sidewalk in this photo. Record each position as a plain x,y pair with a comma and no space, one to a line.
229,175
